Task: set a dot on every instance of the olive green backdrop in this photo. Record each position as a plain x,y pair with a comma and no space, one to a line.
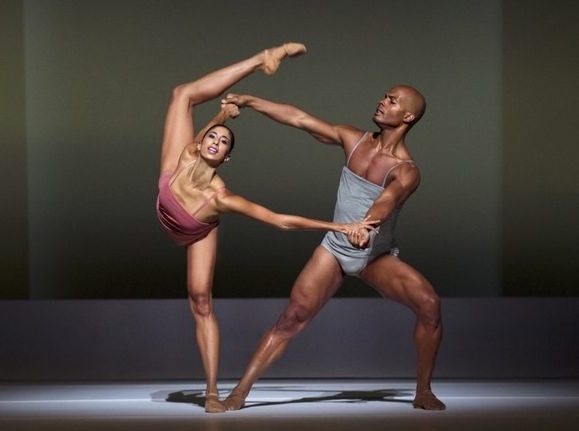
85,85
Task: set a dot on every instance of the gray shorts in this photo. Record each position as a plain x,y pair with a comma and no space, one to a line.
353,261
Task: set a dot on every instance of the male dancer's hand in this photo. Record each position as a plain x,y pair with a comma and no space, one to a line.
359,238
240,100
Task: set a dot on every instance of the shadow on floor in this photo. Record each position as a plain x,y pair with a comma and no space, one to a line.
385,395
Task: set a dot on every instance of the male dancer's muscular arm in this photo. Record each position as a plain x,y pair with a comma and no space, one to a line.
324,132
404,182
293,116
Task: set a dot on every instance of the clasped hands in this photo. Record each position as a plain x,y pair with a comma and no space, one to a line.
359,233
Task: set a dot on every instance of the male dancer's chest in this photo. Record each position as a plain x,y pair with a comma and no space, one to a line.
371,163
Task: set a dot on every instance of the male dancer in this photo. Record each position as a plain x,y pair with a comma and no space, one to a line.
379,176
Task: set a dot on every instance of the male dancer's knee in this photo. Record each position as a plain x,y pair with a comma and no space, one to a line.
293,320
429,309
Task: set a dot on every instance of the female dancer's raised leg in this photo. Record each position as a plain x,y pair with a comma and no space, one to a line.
179,123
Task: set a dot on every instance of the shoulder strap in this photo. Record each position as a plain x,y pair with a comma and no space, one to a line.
356,147
394,167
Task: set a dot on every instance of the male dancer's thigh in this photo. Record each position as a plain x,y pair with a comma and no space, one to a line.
317,282
397,280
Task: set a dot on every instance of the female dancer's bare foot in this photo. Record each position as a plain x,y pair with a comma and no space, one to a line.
234,401
427,400
213,405
272,57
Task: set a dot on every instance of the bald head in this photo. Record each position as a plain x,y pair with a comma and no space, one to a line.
413,101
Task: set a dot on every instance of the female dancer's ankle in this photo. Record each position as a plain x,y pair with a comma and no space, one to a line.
213,405
272,57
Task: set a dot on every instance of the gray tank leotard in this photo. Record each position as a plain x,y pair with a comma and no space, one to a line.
355,196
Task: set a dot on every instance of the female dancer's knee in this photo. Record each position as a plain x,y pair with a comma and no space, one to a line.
200,304
186,94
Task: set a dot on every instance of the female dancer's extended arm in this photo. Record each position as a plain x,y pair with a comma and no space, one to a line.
227,202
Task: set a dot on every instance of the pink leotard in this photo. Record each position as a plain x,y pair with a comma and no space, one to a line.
181,226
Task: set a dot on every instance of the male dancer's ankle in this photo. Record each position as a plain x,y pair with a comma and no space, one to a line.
235,400
426,400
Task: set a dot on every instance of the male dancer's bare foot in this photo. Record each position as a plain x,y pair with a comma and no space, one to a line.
272,57
213,405
234,401
427,400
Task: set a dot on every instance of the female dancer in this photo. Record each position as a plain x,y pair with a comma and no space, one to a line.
192,195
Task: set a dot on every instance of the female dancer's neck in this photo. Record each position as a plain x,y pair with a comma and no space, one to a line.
201,173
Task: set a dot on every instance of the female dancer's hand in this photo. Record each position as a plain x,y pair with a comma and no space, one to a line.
230,110
358,233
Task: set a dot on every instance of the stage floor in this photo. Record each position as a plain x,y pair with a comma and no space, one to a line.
279,405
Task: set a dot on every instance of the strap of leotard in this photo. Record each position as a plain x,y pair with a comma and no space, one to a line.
394,167
356,147
206,201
